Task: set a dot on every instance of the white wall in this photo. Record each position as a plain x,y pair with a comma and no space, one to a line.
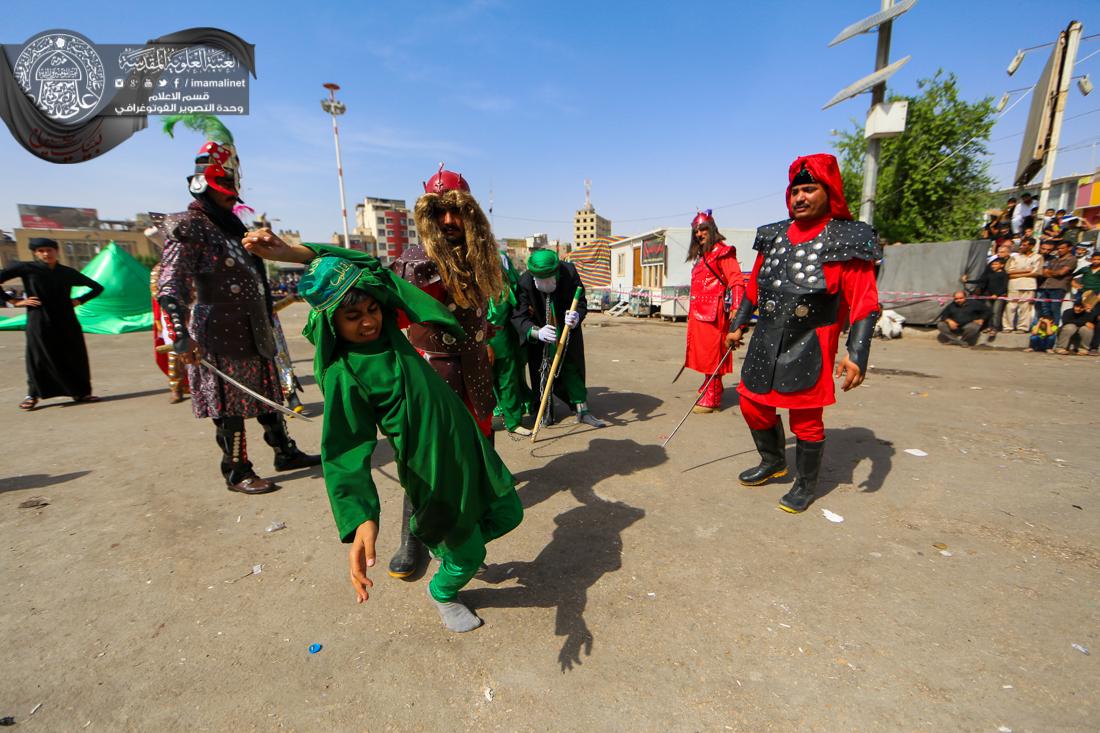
622,279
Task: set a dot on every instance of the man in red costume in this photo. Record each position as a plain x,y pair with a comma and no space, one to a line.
717,287
814,273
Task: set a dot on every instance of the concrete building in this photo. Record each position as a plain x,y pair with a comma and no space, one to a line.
538,241
7,250
588,226
391,224
658,259
359,242
81,234
1063,192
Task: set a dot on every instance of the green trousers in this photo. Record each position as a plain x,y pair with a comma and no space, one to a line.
570,384
510,389
457,565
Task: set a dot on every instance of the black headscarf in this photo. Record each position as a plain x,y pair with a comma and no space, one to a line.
225,219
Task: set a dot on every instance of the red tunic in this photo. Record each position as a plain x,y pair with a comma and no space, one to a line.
855,281
708,319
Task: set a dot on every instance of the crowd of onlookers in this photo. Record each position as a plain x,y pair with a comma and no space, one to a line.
285,284
1047,286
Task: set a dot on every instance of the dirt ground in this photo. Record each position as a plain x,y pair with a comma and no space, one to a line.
645,589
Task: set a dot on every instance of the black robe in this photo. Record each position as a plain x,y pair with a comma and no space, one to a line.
530,312
57,359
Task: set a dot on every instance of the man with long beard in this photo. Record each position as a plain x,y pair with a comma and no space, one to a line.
459,266
813,273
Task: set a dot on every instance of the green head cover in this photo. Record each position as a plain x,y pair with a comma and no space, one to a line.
543,263
328,279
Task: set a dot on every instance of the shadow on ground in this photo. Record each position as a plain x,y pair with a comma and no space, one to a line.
586,543
845,449
38,480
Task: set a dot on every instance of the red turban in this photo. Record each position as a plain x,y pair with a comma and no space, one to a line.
824,169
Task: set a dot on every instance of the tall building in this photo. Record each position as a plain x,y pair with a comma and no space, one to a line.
587,224
390,222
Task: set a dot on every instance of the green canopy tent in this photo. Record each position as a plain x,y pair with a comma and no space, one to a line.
125,305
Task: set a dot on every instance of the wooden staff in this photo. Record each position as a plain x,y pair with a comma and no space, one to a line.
549,389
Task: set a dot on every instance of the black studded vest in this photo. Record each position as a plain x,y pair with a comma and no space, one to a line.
784,354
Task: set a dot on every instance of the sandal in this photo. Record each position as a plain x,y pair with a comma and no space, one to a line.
86,398
28,403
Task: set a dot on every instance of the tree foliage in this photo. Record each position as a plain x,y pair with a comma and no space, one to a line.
923,195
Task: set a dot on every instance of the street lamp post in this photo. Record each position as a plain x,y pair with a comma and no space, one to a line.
335,108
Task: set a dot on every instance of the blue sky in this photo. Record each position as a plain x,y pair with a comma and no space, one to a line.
664,106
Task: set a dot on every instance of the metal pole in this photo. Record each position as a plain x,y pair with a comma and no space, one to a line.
1073,38
336,108
878,96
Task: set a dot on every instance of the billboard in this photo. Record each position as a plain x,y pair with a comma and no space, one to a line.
653,250
32,216
1033,151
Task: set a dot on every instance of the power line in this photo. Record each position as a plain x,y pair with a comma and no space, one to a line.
649,218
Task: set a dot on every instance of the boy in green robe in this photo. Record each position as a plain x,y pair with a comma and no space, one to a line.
509,385
374,381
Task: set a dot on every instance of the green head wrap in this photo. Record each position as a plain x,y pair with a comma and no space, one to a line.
543,263
329,278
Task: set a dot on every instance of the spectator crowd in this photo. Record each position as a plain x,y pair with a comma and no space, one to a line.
1049,288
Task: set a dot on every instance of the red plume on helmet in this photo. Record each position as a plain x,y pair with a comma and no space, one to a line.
823,169
445,181
702,216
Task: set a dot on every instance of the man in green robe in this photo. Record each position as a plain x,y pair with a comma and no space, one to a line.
543,299
509,385
373,380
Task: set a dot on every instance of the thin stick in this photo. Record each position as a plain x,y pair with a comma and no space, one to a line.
701,393
554,368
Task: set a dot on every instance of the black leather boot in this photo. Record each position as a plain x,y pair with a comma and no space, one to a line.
287,455
235,466
773,458
807,460
407,558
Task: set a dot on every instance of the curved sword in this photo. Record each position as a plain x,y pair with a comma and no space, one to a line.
250,393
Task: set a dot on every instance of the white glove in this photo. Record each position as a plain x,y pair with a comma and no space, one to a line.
572,318
548,334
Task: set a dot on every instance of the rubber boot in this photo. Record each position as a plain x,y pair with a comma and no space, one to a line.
808,462
773,458
287,455
406,560
235,466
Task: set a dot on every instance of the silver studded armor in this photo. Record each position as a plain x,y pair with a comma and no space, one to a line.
784,354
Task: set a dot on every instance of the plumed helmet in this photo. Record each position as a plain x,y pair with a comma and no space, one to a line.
217,167
444,181
216,164
701,218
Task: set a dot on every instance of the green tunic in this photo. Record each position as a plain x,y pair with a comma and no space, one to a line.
509,386
449,471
